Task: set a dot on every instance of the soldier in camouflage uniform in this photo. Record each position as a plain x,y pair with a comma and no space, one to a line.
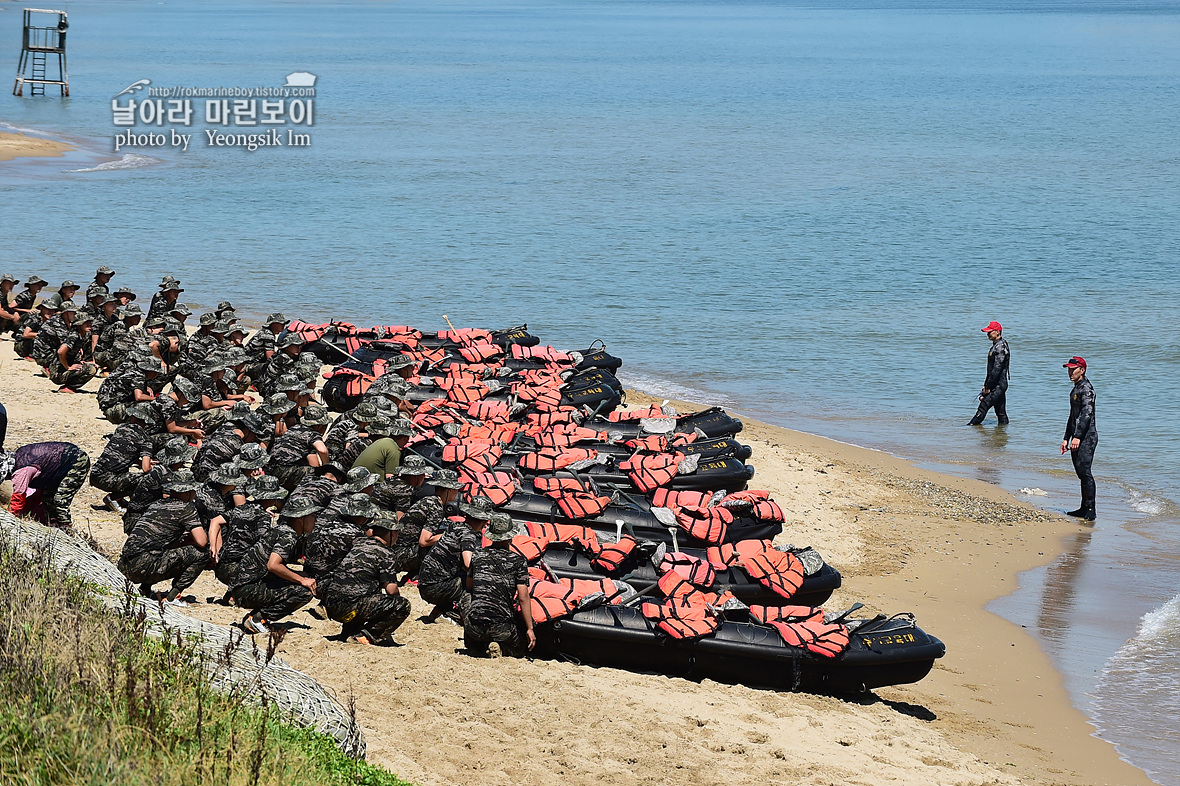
172,413
125,459
334,535
281,410
442,580
252,458
165,299
102,279
396,493
116,339
261,346
223,445
265,585
499,578
8,313
106,316
243,526
311,496
53,333
124,294
28,327
93,304
64,293
393,389
301,448
361,592
131,383
201,345
150,487
282,363
167,541
69,367
26,300
426,520
225,490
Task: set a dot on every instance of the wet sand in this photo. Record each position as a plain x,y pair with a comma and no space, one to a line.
23,146
993,710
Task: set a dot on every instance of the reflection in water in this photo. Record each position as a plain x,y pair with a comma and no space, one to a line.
992,442
1060,590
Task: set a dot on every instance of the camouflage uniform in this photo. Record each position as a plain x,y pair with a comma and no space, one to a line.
495,575
310,496
260,343
441,578
329,542
218,448
32,321
108,353
257,589
279,365
77,347
198,350
243,527
426,513
118,469
117,392
353,593
51,336
155,551
288,455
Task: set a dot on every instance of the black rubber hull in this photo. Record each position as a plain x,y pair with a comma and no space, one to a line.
713,422
816,589
741,653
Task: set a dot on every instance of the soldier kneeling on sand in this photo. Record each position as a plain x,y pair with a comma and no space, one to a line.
264,584
361,592
168,541
499,577
442,580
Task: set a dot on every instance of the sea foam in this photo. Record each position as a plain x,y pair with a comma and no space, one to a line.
128,161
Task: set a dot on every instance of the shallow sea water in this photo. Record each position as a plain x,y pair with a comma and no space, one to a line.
804,212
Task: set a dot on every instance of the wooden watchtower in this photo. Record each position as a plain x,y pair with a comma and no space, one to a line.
45,35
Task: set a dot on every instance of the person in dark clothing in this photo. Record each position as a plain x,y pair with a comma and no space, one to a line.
265,585
243,526
168,541
498,579
125,459
1081,435
426,520
361,592
46,476
150,486
994,393
334,534
442,580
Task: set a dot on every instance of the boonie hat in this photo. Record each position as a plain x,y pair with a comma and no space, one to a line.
500,527
276,318
265,487
35,280
180,481
207,320
228,475
48,305
277,404
131,310
176,451
480,508
9,277
252,456
104,270
413,464
359,505
125,291
67,284
445,479
1074,362
359,478
386,521
67,305
141,410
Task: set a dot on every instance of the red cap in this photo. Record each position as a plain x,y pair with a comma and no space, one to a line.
993,325
1074,362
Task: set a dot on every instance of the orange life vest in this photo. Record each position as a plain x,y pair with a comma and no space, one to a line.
705,524
622,416
564,533
612,555
694,570
553,459
762,507
781,571
730,554
497,411
499,487
666,498
650,471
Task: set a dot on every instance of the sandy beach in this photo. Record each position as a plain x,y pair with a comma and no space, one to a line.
23,146
993,710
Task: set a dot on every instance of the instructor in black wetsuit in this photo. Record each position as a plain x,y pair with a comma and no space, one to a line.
1081,434
995,388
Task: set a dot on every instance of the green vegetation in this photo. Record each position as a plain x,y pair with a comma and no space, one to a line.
86,697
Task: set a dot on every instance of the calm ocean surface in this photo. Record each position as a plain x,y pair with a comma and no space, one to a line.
802,211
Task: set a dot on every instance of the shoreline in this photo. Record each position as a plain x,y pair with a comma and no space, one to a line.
20,145
992,711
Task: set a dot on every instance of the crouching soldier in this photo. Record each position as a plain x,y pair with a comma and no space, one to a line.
264,584
125,460
499,578
334,533
168,541
361,592
243,526
442,579
426,520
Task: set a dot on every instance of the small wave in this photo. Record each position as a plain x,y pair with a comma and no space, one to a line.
128,161
1145,503
666,389
21,130
1163,621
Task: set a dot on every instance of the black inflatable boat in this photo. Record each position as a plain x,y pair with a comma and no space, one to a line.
881,652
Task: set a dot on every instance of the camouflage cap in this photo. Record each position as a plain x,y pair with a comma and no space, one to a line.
445,479
290,340
130,310
234,356
413,464
9,277
214,364
67,305
180,481
35,280
180,308
176,451
108,299
290,382
298,506
238,412
260,427
277,404
500,527
220,326
252,456
171,286
390,385
104,270
149,364
154,322
225,305
399,361
480,508
125,291
48,305
316,415
140,411
228,475
168,280
265,487
359,505
333,466
95,290
364,412
276,318
84,318
359,478
187,388
386,520
67,284
207,320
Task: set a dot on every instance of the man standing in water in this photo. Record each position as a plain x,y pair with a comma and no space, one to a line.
1081,434
995,388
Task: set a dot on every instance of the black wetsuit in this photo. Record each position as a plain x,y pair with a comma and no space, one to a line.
996,384
1082,426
